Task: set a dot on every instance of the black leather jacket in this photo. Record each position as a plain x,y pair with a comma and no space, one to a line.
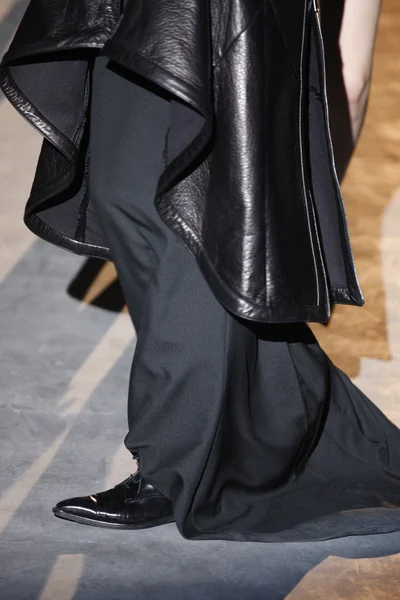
249,184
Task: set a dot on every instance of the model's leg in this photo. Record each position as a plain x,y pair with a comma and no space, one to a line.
128,129
238,423
349,30
248,429
357,40
192,356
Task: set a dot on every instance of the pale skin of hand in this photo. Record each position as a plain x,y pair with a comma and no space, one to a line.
357,41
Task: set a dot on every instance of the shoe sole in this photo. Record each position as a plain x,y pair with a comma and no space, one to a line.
85,521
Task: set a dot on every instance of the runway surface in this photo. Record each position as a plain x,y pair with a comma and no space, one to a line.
66,344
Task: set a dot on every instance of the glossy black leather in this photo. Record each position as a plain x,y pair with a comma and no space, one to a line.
249,183
132,504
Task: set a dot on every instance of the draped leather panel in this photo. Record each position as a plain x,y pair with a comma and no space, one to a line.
249,179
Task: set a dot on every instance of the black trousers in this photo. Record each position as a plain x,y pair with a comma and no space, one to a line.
249,429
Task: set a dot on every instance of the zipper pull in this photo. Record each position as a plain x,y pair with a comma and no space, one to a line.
316,5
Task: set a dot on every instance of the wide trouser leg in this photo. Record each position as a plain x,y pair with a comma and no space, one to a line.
249,429
129,127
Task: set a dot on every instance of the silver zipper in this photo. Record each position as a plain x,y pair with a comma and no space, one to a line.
331,151
316,5
306,199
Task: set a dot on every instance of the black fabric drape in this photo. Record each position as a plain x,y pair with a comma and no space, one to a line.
249,429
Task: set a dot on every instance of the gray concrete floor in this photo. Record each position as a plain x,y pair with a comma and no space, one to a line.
64,366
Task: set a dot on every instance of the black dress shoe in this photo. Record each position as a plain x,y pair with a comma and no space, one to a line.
132,504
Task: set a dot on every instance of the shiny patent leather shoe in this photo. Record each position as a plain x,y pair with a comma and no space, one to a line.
132,504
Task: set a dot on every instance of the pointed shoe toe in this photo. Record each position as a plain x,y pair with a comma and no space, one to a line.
132,504
84,506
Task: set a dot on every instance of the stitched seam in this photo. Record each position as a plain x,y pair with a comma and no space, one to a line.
166,147
233,42
81,225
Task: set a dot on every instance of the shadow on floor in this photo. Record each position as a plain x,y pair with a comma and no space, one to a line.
110,298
